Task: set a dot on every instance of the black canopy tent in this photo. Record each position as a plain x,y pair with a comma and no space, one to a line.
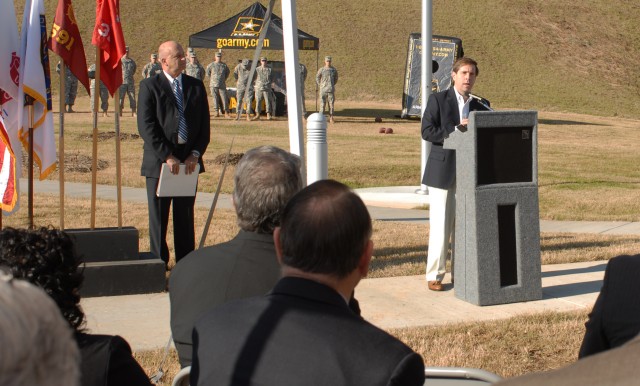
242,30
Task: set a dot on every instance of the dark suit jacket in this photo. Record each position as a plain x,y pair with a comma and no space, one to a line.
614,367
302,333
158,121
615,318
242,267
106,360
439,120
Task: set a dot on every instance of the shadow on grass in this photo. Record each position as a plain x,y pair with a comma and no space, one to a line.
573,289
573,271
563,122
578,245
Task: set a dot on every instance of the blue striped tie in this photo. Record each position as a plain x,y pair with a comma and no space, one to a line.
182,123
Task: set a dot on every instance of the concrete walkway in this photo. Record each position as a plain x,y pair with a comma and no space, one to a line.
386,302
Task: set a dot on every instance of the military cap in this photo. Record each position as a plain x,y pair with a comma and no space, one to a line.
155,56
245,62
263,58
126,48
327,58
218,54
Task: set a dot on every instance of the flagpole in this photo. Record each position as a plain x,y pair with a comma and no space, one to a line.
63,76
94,161
116,103
29,102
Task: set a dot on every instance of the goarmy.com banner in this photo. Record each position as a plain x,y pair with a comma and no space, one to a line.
240,43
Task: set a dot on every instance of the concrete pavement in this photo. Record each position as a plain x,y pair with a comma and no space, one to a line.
386,302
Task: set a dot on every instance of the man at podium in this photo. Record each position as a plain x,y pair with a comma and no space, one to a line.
446,112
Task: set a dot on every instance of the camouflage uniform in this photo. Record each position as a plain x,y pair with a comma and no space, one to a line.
150,69
326,79
70,87
263,89
303,78
241,74
218,72
195,69
104,92
128,85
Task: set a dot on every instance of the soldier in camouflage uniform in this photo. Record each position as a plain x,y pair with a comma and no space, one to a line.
104,92
151,68
194,68
262,87
244,89
128,85
326,79
218,72
70,88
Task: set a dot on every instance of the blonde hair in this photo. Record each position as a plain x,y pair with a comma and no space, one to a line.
36,343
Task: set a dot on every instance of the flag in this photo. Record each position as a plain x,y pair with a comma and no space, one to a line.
11,100
65,41
8,183
109,40
36,83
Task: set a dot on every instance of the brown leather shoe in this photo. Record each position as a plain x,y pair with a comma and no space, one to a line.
435,285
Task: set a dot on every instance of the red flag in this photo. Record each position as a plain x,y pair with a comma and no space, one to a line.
109,40
65,41
8,186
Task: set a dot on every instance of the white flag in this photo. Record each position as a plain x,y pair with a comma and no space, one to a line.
11,96
36,83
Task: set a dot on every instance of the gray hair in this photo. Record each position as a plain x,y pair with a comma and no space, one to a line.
266,178
36,343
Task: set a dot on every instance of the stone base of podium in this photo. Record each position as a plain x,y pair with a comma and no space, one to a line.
113,264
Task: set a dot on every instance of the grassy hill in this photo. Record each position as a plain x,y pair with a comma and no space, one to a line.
533,54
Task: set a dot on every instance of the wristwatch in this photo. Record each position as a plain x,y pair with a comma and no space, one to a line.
195,153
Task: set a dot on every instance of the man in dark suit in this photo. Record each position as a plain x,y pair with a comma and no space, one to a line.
446,112
615,318
266,178
173,121
303,332
618,367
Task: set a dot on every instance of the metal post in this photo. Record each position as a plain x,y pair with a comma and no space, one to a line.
317,165
63,75
292,69
425,84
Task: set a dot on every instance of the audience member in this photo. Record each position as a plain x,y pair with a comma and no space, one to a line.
266,178
47,258
618,367
303,331
615,318
36,343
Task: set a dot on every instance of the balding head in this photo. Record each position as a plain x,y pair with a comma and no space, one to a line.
172,58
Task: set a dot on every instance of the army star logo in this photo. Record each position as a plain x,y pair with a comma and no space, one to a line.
247,26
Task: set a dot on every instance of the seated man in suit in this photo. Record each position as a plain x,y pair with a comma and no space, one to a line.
618,366
303,331
266,178
615,318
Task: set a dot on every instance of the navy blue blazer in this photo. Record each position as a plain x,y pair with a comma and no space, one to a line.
302,333
158,121
439,120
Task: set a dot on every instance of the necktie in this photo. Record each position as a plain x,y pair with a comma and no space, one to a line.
182,123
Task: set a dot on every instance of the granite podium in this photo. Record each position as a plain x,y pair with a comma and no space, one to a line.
497,230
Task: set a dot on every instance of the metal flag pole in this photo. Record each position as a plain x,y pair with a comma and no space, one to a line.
94,161
215,198
63,76
116,103
28,100
427,47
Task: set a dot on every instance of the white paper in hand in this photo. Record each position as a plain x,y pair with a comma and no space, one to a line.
177,185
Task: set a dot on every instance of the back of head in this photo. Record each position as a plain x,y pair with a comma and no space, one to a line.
36,344
324,229
266,178
46,257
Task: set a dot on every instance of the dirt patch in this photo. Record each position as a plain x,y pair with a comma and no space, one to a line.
80,163
107,135
234,158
